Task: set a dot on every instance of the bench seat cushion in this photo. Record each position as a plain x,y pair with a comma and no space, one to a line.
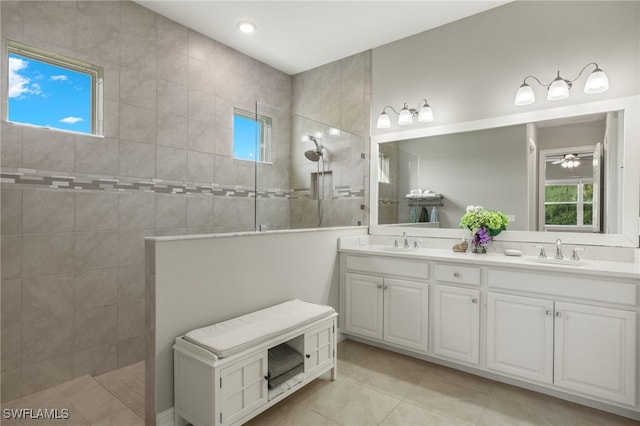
238,334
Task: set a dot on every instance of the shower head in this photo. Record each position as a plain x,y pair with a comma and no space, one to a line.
313,154
314,140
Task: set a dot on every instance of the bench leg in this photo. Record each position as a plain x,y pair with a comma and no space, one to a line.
334,373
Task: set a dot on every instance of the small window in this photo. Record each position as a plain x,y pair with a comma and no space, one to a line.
251,136
49,90
569,204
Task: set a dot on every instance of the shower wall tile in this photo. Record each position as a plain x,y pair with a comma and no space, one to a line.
12,21
11,210
201,106
110,79
137,159
98,34
96,211
131,321
47,338
137,88
11,260
53,24
173,65
202,75
131,282
11,355
11,146
136,211
10,385
43,375
172,131
224,112
172,35
46,296
201,136
47,254
199,167
131,245
95,361
47,150
111,118
137,124
224,141
225,170
11,296
200,211
47,211
201,47
131,350
96,250
96,288
225,212
171,211
96,326
172,98
97,156
171,163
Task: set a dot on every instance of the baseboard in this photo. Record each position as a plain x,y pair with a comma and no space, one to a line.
165,418
340,336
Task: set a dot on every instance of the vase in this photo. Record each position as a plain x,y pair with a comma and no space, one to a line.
477,248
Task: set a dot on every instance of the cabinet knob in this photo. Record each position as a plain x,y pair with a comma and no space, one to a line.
456,274
558,314
308,355
379,286
474,301
547,312
385,286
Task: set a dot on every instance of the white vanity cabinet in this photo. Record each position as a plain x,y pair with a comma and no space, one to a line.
387,309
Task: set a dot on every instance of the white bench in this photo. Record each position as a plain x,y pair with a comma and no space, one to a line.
220,371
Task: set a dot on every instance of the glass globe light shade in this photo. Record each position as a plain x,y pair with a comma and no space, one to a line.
597,82
525,95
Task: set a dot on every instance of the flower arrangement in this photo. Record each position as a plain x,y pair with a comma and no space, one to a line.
484,224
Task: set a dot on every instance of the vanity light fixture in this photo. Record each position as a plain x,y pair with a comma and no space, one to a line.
406,115
558,89
247,27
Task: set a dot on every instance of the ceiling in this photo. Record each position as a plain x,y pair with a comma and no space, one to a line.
295,36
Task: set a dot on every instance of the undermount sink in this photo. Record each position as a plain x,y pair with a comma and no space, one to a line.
553,261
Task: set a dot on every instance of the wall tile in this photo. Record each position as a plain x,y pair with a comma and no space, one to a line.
172,35
98,32
171,163
12,20
137,124
199,167
96,211
137,88
224,141
54,23
201,106
171,211
226,170
172,98
131,350
226,72
11,146
111,118
46,338
202,76
131,319
96,250
45,374
11,386
199,211
131,245
172,131
47,149
95,361
173,65
97,155
201,47
96,326
11,354
47,211
11,214
46,296
131,282
96,288
47,254
11,296
139,54
201,136
136,211
11,261
224,112
225,211
137,159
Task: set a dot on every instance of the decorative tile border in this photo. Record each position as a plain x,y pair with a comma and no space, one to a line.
86,182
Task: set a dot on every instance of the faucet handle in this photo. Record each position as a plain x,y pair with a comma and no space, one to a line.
542,254
395,244
575,256
415,244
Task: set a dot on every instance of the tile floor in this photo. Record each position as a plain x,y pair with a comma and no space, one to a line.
374,387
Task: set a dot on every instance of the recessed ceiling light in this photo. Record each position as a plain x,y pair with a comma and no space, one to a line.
246,27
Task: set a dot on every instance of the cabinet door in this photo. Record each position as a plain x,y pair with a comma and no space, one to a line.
318,348
363,305
243,388
520,336
457,323
595,351
406,305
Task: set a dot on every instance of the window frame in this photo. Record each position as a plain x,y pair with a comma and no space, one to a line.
95,72
579,203
266,135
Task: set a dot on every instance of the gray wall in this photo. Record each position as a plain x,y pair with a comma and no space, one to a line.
472,68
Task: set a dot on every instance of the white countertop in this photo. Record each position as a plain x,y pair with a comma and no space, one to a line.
587,267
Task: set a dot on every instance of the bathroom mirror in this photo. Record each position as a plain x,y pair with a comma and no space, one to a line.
515,165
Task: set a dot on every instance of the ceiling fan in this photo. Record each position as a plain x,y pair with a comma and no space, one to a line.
568,161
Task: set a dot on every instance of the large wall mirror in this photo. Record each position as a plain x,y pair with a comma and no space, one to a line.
569,173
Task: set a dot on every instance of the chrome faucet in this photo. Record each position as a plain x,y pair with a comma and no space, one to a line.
406,240
559,249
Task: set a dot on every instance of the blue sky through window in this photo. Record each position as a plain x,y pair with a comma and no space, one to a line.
47,95
245,133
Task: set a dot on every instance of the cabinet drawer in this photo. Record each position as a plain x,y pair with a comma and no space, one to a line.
574,286
388,266
457,274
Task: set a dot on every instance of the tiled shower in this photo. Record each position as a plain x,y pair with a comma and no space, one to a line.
75,208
